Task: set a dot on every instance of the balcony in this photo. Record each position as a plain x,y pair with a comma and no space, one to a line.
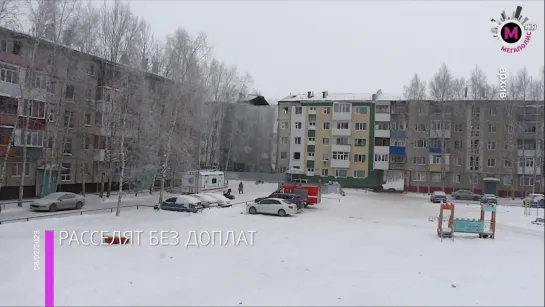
340,163
397,150
438,150
342,148
436,168
381,165
382,117
523,135
438,134
4,151
100,155
398,134
529,170
384,150
382,133
8,120
340,132
397,166
342,116
399,109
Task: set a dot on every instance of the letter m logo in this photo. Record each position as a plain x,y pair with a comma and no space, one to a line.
508,33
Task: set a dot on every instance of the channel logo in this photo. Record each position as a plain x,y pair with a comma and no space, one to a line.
514,32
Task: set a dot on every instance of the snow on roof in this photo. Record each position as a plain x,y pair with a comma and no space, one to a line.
338,97
211,172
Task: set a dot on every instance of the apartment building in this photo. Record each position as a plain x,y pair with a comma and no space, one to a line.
334,137
486,146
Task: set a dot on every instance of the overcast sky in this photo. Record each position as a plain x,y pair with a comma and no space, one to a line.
349,46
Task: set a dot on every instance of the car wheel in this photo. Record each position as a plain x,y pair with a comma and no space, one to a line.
252,210
79,205
542,203
281,212
457,197
53,208
305,205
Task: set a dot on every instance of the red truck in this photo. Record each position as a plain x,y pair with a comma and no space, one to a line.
310,192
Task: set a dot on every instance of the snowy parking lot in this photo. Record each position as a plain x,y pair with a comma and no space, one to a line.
362,249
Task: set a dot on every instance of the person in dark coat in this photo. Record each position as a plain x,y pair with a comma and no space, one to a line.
240,188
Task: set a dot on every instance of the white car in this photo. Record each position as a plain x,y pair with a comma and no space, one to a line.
276,206
58,201
207,201
182,203
222,200
534,200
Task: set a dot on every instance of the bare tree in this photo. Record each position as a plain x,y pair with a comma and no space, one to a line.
10,12
416,93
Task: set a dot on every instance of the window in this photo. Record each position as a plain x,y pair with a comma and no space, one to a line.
327,110
284,140
313,108
69,93
86,142
492,111
457,161
440,125
382,109
3,46
491,162
359,174
9,73
285,110
283,155
419,176
475,146
310,170
341,155
419,160
361,110
298,125
381,157
359,158
457,178
474,163
325,141
507,163
526,162
297,140
91,69
382,126
360,126
437,143
492,128
66,172
326,126
342,125
341,108
68,119
311,139
507,180
508,146
325,172
436,159
35,108
473,179
312,123
509,128
51,116
298,110
8,105
34,138
341,173
89,94
17,48
87,119
527,181
284,125
360,142
341,141
67,148
325,156
491,145
420,127
436,177
17,169
99,120
296,156
458,144
475,130
422,143
398,126
397,159
475,112
36,80
458,127
530,129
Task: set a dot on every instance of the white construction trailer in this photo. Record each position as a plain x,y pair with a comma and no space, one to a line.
203,181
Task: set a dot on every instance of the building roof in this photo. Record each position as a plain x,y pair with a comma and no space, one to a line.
331,97
255,100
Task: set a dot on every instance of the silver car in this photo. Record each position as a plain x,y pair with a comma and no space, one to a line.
438,197
465,195
58,201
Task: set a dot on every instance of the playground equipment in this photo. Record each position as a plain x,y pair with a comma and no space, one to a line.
466,225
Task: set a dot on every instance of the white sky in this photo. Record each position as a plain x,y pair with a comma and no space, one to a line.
349,46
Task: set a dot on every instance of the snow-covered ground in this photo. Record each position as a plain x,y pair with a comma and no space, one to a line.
366,249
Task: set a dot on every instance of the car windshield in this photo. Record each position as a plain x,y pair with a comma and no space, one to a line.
53,196
439,193
489,195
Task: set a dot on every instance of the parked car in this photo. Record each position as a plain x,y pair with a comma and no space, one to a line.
489,199
438,197
294,198
182,203
465,195
222,200
534,200
278,206
58,201
206,201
